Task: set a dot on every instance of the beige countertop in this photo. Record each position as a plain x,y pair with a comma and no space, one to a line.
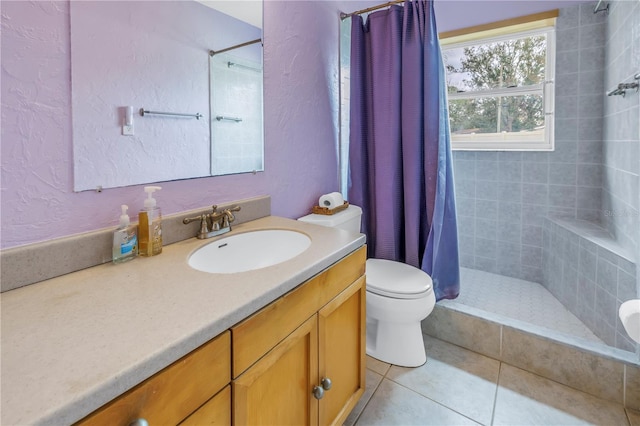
72,343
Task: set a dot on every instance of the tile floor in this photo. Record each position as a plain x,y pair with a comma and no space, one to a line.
518,299
459,387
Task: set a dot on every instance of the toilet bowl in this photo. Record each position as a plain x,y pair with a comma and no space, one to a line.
399,297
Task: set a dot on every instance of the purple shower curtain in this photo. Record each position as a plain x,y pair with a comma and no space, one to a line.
399,153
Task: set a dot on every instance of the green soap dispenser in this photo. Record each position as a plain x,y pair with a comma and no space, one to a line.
150,225
125,239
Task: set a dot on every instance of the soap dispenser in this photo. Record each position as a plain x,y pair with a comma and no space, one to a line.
150,225
125,239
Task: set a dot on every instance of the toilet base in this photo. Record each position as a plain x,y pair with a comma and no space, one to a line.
396,343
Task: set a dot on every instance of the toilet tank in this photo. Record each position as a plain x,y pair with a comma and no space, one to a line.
348,219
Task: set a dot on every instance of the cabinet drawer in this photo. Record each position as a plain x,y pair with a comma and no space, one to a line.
217,411
175,392
255,336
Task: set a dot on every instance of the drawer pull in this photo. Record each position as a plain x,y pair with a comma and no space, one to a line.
326,383
139,422
318,392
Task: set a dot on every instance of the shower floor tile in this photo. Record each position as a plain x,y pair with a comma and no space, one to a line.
520,300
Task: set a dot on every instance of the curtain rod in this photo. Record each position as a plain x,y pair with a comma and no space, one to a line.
215,52
344,16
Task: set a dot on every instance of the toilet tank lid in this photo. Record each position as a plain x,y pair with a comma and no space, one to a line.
335,219
396,278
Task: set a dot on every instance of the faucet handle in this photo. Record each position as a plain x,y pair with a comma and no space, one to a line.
228,215
188,220
204,227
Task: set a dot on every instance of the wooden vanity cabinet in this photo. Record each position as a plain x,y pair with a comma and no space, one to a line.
174,393
216,411
342,352
277,389
280,355
284,353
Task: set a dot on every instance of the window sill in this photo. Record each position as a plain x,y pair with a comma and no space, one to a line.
516,141
500,147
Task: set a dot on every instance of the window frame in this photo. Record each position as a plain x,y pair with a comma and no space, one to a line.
492,141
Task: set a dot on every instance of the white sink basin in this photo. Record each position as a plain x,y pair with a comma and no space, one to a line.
249,251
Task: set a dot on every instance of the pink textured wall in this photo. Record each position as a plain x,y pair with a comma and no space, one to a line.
37,199
301,86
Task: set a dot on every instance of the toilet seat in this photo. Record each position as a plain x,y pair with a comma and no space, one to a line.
397,280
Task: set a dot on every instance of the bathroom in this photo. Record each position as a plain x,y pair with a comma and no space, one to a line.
301,104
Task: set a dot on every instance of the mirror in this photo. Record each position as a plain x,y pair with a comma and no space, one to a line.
236,109
134,61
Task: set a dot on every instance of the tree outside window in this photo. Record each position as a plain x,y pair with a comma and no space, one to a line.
496,90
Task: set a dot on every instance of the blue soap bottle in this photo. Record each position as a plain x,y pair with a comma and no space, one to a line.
125,239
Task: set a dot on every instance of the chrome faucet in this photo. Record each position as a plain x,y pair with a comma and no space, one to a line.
214,223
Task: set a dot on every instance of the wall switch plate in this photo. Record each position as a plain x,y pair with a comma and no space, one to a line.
127,130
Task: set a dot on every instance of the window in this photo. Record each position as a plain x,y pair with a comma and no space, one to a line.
500,90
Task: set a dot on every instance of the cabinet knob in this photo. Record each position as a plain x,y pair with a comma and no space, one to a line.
326,383
318,392
139,422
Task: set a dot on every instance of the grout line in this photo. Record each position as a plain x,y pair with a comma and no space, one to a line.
386,371
501,342
624,386
369,400
495,396
432,400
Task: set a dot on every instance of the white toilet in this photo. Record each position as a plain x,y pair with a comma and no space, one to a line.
399,296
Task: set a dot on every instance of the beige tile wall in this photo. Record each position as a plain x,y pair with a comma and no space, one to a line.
599,375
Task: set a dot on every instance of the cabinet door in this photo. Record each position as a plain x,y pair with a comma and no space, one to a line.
259,333
342,352
277,390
